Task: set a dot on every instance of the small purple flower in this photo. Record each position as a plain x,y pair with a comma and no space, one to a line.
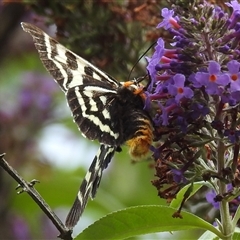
234,5
213,80
233,135
178,176
217,124
154,60
178,90
165,111
164,115
210,196
199,110
234,74
181,121
233,99
168,19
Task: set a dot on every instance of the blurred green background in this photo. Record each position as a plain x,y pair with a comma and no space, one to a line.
36,128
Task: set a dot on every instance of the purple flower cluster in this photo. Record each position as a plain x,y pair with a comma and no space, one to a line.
172,80
22,119
194,94
214,199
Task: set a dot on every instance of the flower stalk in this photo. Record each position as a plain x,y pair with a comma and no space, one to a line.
226,222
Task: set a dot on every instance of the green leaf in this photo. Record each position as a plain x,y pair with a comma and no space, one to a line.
208,236
236,217
236,235
143,220
177,201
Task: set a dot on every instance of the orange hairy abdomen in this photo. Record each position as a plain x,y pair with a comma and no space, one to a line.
139,145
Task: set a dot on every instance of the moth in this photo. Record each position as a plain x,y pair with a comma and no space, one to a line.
103,108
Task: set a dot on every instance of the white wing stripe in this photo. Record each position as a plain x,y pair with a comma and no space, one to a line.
98,89
92,118
49,51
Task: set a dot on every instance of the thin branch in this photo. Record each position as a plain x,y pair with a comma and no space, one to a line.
28,187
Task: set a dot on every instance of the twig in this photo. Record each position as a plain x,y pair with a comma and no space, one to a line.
28,187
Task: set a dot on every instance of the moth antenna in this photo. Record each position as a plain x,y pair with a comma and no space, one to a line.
135,64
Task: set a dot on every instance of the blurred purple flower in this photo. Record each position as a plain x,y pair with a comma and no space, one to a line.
178,176
23,115
36,95
20,228
199,110
168,19
210,196
49,231
233,135
234,5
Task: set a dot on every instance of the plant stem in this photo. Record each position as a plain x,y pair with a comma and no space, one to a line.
227,228
65,233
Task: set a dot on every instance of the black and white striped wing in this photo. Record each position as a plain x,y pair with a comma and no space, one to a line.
90,183
66,67
90,92
103,109
93,110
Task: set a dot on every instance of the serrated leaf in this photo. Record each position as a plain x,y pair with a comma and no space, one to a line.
143,220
